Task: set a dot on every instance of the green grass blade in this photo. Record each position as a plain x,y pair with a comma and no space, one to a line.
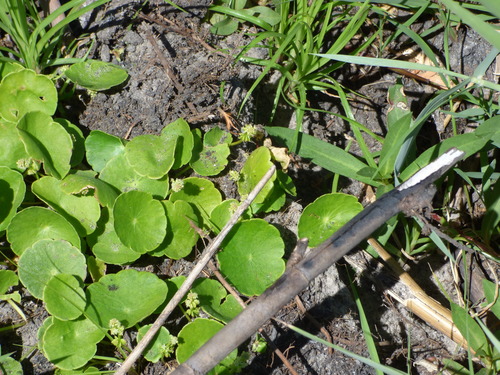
347,34
401,26
241,15
494,340
485,64
412,133
70,18
357,133
325,155
487,31
492,5
365,326
388,63
275,57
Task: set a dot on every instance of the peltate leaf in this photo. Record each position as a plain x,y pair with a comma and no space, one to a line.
12,190
256,166
183,139
128,296
37,223
181,236
81,211
140,221
150,155
12,147
201,193
47,141
96,75
251,258
120,174
71,344
326,215
101,148
47,258
25,91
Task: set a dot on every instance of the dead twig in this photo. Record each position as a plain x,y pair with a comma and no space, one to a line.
231,290
414,193
423,306
164,62
184,288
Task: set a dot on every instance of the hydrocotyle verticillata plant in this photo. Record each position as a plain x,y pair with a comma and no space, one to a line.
65,222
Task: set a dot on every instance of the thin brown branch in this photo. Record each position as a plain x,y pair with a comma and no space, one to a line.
266,337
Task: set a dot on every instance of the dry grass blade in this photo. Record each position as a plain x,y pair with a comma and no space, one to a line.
423,306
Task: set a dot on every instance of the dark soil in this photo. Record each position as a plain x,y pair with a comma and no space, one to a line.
176,69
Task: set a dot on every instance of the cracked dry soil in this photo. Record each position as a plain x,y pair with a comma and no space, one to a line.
176,69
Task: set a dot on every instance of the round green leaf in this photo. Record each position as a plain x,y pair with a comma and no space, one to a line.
77,138
12,190
140,221
256,166
12,147
106,245
47,258
154,350
37,223
150,155
215,301
209,160
326,215
225,27
201,193
129,296
252,256
181,236
64,297
193,335
101,148
25,91
111,250
71,344
96,75
47,141
84,183
210,157
183,139
217,136
119,173
81,211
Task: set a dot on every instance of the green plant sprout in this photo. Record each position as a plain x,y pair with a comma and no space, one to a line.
224,24
36,40
292,42
9,279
